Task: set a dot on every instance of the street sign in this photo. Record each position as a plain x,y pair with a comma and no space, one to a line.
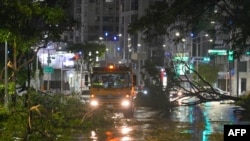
200,59
184,58
230,55
48,69
217,52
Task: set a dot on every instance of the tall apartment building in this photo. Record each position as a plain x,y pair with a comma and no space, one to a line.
96,18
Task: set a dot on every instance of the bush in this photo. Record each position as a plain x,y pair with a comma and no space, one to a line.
49,117
245,103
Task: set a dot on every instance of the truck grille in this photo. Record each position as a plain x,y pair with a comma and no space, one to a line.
110,97
110,101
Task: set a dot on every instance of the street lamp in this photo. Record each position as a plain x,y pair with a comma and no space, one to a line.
139,65
106,52
197,43
192,41
128,49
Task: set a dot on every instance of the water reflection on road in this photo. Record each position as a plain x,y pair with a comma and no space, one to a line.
119,134
124,129
212,116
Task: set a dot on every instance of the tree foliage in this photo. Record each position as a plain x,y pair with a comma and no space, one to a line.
26,23
230,17
29,23
27,20
49,117
163,19
208,72
244,102
195,85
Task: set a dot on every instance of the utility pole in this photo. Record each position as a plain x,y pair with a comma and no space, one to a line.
197,62
48,80
6,97
237,76
37,73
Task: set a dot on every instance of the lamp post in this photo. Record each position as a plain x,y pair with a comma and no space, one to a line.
197,54
6,97
106,52
37,73
62,58
81,75
129,50
101,42
139,66
118,48
49,75
62,76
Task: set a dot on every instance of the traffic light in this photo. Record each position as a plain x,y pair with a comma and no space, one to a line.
230,55
206,59
248,53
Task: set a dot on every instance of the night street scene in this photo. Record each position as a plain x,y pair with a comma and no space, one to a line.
124,70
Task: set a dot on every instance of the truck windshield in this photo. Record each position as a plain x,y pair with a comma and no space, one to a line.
116,80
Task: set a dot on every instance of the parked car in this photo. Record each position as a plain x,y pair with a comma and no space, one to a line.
85,96
224,93
211,93
141,89
187,100
220,91
175,93
216,90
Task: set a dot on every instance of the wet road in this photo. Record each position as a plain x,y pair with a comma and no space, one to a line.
212,115
126,129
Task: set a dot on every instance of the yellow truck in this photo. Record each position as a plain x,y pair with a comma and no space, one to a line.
113,88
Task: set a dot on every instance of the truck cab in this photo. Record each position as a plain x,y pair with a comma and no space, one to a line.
113,88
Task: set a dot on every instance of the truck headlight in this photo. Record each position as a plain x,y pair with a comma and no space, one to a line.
94,103
125,103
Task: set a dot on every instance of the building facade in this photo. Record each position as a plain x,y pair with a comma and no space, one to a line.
107,21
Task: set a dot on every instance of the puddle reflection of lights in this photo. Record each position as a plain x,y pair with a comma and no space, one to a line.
126,139
93,136
191,120
208,127
125,130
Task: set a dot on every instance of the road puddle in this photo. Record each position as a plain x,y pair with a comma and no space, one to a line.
185,124
145,126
